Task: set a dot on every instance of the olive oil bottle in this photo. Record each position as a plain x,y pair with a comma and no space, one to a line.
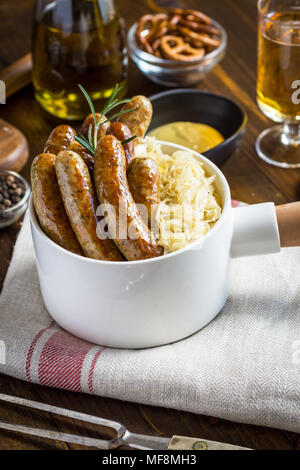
77,41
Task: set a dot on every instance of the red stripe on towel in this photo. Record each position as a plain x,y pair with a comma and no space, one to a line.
91,372
31,349
61,361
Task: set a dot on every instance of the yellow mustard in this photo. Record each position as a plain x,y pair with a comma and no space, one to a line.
195,136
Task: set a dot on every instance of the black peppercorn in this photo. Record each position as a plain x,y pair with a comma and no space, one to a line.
11,191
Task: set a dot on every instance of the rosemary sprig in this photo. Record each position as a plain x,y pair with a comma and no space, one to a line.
126,141
82,140
90,143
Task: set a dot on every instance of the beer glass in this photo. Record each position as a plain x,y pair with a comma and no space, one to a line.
278,81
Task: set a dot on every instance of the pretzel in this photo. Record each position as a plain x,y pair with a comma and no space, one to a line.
200,28
174,47
192,13
203,38
161,29
203,18
190,24
156,44
184,35
146,45
144,20
151,27
143,33
174,20
150,23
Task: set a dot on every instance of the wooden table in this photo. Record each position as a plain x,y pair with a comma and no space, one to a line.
250,179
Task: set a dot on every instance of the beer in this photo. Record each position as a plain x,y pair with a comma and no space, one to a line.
78,41
279,65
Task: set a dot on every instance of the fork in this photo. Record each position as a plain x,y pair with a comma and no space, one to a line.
124,436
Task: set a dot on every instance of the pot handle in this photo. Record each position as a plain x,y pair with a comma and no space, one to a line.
263,229
255,230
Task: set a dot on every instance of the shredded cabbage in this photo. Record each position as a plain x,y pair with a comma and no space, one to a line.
190,205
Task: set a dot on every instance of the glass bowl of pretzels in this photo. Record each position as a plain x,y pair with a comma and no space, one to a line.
176,48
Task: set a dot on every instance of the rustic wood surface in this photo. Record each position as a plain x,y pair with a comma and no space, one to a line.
251,180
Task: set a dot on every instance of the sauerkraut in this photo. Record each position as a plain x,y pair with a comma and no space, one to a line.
190,204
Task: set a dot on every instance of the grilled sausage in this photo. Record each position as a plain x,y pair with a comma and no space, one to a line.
139,120
143,180
80,203
86,156
59,139
126,226
89,121
48,203
122,132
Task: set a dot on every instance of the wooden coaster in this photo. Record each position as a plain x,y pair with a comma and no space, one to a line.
14,149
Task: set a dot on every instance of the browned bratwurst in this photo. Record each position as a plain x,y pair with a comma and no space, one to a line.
139,120
80,203
86,156
130,233
48,203
60,139
122,132
89,121
143,180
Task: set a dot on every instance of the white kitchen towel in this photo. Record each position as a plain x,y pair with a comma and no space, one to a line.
244,366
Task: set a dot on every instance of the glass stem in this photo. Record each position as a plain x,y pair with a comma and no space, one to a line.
291,134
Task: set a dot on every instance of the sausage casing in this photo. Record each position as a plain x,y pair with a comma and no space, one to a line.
80,203
139,120
48,203
86,156
122,132
60,139
143,180
131,235
89,121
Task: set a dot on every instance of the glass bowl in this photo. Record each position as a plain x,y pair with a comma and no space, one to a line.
13,213
174,73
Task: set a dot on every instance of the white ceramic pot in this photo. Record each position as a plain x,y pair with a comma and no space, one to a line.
154,302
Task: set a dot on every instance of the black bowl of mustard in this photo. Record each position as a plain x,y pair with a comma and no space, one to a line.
194,106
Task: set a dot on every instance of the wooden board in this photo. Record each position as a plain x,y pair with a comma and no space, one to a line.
17,75
14,149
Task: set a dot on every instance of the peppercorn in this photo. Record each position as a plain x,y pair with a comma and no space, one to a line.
11,191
